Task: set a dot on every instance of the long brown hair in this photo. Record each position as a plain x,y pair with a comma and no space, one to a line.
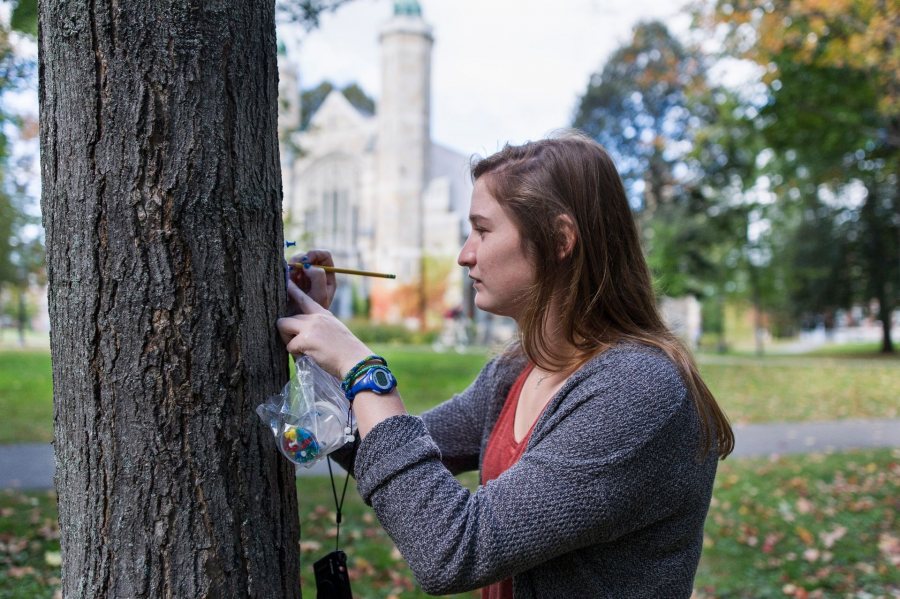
602,288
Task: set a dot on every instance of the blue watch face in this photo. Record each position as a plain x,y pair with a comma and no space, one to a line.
381,379
378,379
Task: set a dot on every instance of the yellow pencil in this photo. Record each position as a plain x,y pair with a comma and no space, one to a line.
347,271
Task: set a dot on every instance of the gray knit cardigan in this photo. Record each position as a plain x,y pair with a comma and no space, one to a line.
608,500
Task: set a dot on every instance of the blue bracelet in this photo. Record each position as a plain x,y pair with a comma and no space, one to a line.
351,376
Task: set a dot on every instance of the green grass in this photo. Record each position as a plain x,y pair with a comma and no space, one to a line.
807,526
29,545
773,388
862,350
26,396
377,570
801,389
426,378
799,526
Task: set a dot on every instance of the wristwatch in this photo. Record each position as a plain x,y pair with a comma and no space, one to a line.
377,379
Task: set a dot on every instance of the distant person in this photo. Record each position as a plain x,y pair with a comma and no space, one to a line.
596,439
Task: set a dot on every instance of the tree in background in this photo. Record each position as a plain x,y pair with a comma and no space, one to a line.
311,99
21,245
646,105
725,159
833,114
638,107
306,13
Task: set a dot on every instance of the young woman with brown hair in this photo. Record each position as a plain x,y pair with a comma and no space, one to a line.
595,436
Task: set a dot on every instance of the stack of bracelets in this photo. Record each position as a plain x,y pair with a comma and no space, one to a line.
370,374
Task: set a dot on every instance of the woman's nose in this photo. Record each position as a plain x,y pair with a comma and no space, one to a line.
466,254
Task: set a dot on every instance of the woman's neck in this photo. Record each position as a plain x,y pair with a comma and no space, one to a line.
558,345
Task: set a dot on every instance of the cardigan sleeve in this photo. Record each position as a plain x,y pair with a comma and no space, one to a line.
457,425
612,458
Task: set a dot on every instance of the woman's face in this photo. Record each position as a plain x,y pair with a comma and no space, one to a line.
499,269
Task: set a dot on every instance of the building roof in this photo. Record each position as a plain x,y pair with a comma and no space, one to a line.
407,7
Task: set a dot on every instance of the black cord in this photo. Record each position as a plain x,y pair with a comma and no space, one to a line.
339,505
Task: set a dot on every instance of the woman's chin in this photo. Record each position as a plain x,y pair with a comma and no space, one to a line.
482,303
485,305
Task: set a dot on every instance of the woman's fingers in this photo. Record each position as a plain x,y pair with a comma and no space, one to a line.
304,303
295,346
289,327
317,283
294,331
322,337
320,257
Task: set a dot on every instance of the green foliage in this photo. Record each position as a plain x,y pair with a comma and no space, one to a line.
830,116
647,106
311,100
638,107
24,16
21,253
681,241
306,13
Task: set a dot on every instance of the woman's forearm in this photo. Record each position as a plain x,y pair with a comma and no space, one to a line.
371,408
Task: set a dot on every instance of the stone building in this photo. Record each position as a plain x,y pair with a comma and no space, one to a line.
376,189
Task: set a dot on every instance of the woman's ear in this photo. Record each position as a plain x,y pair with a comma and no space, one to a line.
567,235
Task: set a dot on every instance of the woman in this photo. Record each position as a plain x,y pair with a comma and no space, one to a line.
596,439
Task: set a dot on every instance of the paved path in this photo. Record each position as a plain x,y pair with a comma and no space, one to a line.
31,465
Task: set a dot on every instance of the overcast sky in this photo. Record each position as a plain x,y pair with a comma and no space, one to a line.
502,70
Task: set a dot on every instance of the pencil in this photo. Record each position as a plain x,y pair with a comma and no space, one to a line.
347,271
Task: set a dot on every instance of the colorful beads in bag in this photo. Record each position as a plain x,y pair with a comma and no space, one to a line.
299,444
311,417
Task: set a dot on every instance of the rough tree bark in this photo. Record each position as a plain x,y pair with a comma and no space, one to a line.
162,207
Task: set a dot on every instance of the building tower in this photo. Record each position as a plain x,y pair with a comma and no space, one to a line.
403,149
288,117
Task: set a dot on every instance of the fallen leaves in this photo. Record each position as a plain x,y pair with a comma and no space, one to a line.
889,546
29,542
53,558
829,538
783,527
20,572
805,536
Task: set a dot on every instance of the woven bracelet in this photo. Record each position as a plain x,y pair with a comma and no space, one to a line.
355,371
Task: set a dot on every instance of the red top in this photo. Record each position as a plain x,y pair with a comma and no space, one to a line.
501,453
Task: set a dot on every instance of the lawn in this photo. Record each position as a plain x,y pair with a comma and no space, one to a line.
781,388
750,389
26,396
800,526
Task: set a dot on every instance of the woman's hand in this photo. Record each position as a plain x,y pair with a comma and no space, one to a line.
317,333
315,282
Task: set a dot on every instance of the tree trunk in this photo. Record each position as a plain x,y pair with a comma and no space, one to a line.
887,344
878,255
162,207
22,316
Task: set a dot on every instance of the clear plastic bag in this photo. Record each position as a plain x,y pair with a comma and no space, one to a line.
310,418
